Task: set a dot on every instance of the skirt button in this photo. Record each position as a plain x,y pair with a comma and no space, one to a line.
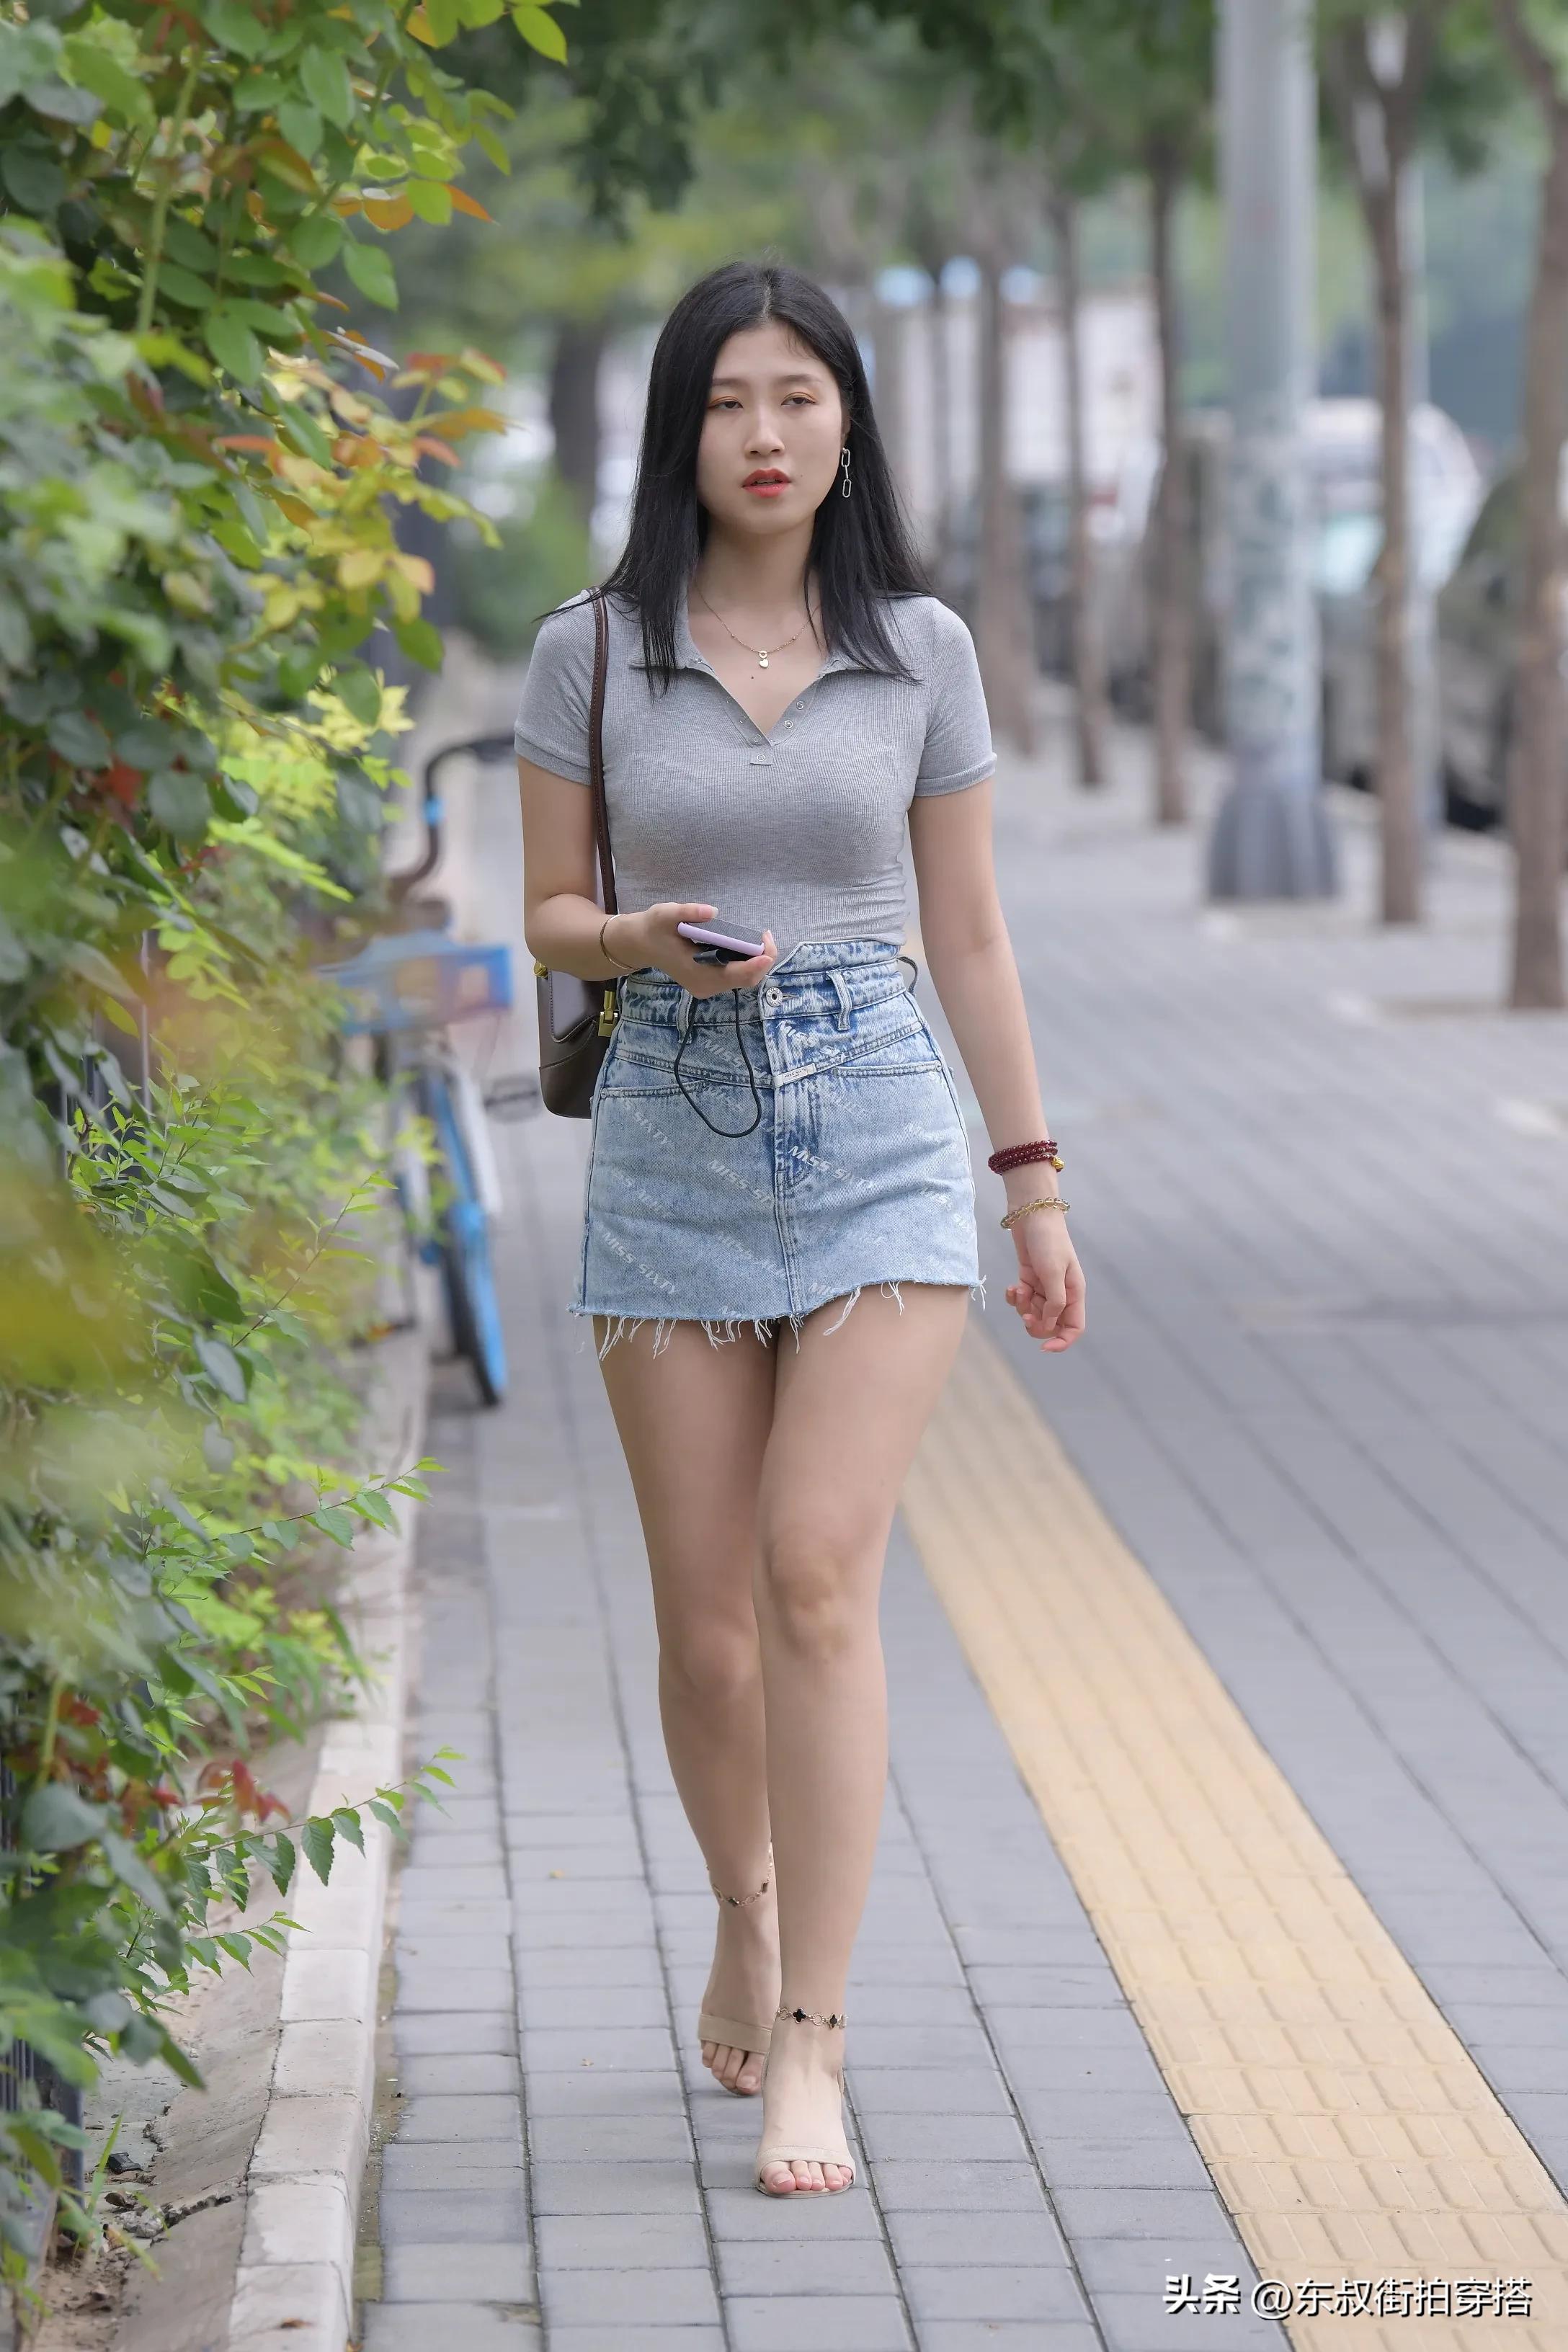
772,997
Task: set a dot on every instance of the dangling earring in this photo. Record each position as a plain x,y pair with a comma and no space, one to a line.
845,485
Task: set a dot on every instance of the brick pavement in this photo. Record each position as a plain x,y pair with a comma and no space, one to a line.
1320,1402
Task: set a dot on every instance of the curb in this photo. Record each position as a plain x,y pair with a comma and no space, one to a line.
294,2290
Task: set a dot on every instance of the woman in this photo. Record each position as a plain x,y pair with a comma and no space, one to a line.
777,1142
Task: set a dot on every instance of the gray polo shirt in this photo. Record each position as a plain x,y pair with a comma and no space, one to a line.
802,830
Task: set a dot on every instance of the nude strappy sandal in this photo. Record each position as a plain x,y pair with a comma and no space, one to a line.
736,2032
786,2152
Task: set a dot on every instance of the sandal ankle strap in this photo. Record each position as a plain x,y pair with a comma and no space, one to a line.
807,2017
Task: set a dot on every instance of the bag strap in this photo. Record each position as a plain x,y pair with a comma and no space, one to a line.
597,751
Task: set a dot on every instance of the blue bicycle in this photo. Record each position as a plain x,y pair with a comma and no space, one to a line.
406,990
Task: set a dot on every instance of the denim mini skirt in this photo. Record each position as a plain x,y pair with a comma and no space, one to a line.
755,1154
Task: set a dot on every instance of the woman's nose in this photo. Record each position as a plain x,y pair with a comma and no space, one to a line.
764,433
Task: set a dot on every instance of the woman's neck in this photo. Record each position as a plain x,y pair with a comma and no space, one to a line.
766,576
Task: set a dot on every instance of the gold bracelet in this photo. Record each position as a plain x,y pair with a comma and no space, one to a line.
1025,1206
609,954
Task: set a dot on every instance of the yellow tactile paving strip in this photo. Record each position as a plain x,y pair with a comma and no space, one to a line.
1347,2128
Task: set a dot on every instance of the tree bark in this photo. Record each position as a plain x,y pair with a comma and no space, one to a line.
575,407
1083,633
1171,632
1004,636
1538,782
942,422
1400,812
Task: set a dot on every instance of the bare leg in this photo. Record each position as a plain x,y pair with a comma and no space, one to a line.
693,1422
850,1409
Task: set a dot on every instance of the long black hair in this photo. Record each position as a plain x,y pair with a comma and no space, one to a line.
861,547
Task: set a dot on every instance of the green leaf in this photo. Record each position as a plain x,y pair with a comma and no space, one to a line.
325,75
385,1813
237,1946
421,642
282,1861
221,1365
541,32
184,286
317,1838
55,1820
301,124
232,345
31,176
335,1521
371,270
96,71
235,798
79,739
431,201
181,802
318,240
375,1508
238,26
131,1869
346,1821
358,689
445,19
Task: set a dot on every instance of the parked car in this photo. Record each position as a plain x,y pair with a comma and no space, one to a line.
1477,639
1343,445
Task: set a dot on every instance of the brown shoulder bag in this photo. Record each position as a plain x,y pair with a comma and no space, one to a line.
577,1017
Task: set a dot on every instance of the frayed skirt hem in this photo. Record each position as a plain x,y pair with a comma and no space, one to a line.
721,1329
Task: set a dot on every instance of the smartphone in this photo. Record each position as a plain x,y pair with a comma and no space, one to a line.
721,940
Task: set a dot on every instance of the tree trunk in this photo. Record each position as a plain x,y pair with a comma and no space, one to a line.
1083,634
888,328
1004,636
940,321
1171,631
1399,797
1538,782
575,407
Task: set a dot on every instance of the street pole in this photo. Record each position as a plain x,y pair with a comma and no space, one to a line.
1271,836
1421,634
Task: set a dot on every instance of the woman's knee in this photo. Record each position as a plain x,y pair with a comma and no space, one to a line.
714,1665
814,1587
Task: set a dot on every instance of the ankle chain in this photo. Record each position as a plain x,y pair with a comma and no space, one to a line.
807,2017
739,1901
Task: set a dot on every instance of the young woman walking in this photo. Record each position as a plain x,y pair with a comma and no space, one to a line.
779,1243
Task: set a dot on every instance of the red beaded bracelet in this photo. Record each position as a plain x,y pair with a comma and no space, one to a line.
1023,1155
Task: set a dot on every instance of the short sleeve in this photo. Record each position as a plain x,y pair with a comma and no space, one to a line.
553,717
958,750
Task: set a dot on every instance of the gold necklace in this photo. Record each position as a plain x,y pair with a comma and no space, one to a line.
760,654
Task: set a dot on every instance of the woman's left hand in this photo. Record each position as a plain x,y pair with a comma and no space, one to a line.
1049,1293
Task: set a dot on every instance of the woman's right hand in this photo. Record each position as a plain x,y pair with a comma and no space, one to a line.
651,937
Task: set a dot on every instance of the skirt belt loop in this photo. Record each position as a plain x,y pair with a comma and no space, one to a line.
841,990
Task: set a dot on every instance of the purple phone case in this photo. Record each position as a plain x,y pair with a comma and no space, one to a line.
706,935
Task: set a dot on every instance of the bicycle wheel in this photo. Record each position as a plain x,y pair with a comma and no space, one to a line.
467,1277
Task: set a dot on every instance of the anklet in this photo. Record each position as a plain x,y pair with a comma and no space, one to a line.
741,1901
807,2017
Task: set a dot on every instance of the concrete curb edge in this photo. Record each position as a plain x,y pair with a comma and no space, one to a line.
294,2289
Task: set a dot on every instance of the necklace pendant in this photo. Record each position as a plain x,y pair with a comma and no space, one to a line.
763,657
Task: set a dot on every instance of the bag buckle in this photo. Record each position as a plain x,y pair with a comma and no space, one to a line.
609,1013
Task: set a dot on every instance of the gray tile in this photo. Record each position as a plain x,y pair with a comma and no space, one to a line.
654,2297
452,2071
974,2290
1137,2323
604,2242
797,2266
621,2187
945,2137
435,2032
1016,2241
1167,2163
631,2048
618,2339
492,2164
736,2213
477,2327
905,2185
1014,2335
420,1987
446,2216
1185,2213
442,2272
928,2090
828,2322
609,2093
1142,2266
594,2006
608,2138
464,2118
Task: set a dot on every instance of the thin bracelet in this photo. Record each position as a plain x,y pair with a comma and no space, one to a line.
1022,1155
1024,1208
609,954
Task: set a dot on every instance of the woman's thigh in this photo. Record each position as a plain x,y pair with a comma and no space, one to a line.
849,1410
693,1421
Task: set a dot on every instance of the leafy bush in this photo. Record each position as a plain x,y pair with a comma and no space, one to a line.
199,482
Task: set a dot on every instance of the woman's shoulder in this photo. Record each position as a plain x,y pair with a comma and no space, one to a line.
934,635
